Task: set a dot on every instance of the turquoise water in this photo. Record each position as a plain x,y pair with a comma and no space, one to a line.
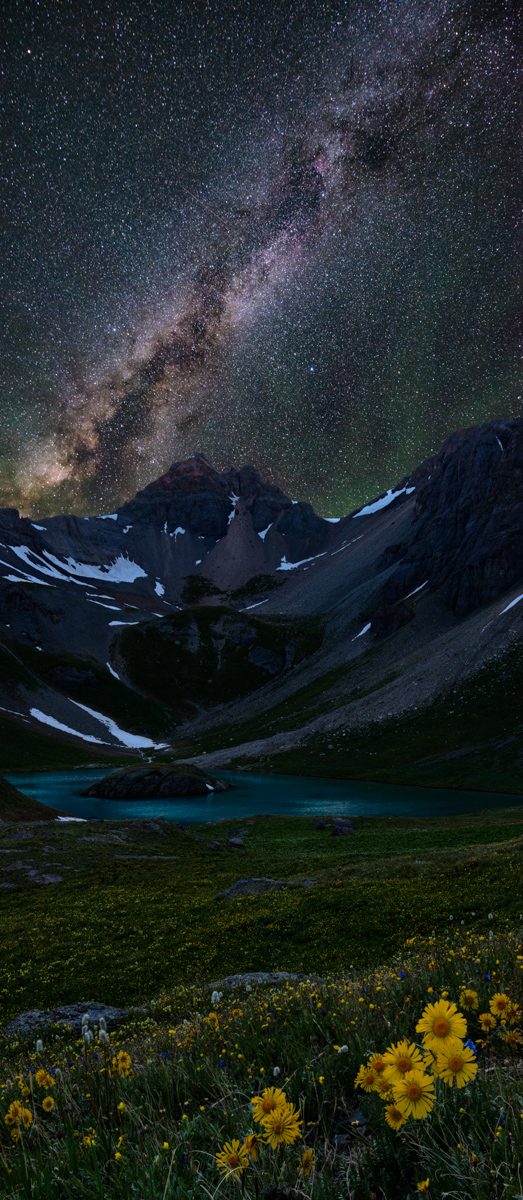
283,794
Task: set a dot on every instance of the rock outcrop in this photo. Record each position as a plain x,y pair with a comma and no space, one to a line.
467,531
155,783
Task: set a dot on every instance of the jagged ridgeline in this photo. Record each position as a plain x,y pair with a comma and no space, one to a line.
212,612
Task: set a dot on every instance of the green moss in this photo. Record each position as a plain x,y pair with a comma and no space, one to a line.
257,586
210,655
196,588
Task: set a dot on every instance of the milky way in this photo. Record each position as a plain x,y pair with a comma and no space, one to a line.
286,235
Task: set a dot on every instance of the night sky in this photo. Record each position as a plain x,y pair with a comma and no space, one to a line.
285,233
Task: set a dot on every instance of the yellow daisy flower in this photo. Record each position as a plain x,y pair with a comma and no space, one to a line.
414,1094
400,1059
512,1038
233,1159
384,1088
487,1021
423,1186
270,1100
442,1026
459,1067
499,1004
250,1145
307,1163
394,1117
377,1062
513,1012
366,1079
48,1104
282,1126
469,999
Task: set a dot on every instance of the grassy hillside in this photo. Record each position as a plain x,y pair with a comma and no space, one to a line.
470,738
210,656
136,924
14,806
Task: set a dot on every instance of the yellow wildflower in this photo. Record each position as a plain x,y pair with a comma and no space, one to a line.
233,1159
48,1104
394,1117
307,1163
414,1094
250,1145
383,1087
469,999
282,1126
459,1067
399,1059
270,1100
512,1038
487,1021
499,1004
377,1062
442,1026
366,1079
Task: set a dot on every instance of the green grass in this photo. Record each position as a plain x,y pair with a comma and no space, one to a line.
139,925
131,710
23,749
210,656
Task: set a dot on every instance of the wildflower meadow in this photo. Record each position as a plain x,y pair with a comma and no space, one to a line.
384,1070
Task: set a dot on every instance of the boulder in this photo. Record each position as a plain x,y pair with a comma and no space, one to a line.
252,887
252,978
343,827
155,782
65,1014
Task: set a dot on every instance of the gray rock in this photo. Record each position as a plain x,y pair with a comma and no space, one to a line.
104,837
34,877
236,843
155,827
214,845
66,1014
253,977
7,885
342,827
320,824
155,782
252,887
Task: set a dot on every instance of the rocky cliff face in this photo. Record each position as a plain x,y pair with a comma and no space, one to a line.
467,528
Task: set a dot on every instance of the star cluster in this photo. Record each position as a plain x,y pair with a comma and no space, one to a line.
283,234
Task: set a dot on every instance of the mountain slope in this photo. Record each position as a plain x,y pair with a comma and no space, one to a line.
410,596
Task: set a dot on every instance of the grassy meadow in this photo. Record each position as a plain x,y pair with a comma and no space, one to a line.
404,913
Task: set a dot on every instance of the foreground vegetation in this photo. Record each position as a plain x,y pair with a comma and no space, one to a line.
165,1108
404,913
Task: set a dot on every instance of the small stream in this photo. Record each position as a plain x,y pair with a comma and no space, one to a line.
276,794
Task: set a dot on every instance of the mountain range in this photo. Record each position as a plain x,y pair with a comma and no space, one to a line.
213,619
